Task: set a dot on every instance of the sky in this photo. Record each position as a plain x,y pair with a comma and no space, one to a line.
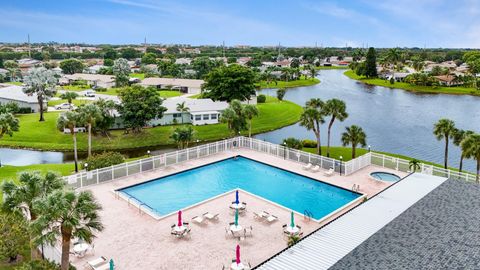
355,23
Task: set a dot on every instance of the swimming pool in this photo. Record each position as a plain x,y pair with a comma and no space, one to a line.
385,176
178,191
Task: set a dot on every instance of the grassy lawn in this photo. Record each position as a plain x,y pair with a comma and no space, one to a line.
44,135
75,87
331,67
196,96
76,102
140,76
14,83
282,84
457,90
169,93
337,151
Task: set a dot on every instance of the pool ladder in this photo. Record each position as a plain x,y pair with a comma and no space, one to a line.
307,214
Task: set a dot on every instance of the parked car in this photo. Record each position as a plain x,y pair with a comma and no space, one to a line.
65,106
89,93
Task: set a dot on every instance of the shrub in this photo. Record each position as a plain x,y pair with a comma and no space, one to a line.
105,159
24,110
293,143
100,89
261,99
280,93
12,236
309,143
392,80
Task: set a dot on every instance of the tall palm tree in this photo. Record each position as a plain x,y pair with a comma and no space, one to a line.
337,109
69,96
458,137
444,129
20,197
67,214
71,120
355,136
471,149
181,108
414,165
393,56
313,72
42,82
235,117
90,114
228,116
312,119
250,111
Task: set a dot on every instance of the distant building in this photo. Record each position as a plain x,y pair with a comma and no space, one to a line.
183,85
94,80
93,69
448,80
14,94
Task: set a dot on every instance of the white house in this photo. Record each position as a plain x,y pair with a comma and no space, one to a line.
15,94
184,85
93,69
96,80
201,111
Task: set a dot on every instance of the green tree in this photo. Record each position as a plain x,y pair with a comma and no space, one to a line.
203,65
140,105
129,53
149,58
444,129
393,56
458,137
42,82
312,118
250,112
71,66
107,120
183,136
295,63
67,214
355,136
337,109
229,82
13,237
182,108
294,143
69,96
235,117
414,165
281,93
12,68
121,70
371,63
20,198
471,149
71,120
8,124
90,115
109,53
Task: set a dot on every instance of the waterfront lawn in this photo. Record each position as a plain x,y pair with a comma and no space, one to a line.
337,151
283,84
44,135
455,90
76,102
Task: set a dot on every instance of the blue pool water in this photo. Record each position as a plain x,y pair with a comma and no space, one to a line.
384,176
172,193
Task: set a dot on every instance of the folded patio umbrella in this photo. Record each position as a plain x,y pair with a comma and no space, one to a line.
236,197
180,219
292,220
238,254
236,217
112,265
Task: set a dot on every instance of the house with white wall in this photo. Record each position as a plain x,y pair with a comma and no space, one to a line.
14,94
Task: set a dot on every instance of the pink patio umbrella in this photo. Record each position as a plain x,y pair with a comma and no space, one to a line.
238,254
180,219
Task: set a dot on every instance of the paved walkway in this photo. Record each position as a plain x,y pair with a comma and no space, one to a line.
325,247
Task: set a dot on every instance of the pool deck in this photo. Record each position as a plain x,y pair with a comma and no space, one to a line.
135,240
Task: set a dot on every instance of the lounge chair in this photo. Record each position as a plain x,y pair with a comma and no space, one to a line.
210,216
308,166
97,262
105,266
257,216
329,172
272,218
198,219
315,169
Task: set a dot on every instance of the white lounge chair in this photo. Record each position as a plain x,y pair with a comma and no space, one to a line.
97,262
105,266
308,166
329,172
198,219
315,169
272,218
210,216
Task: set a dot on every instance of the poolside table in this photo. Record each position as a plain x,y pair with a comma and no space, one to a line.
238,206
236,266
236,228
292,230
180,229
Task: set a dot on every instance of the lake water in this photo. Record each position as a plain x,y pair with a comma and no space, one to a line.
395,121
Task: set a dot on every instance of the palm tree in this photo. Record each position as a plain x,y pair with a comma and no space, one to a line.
355,136
181,107
90,114
183,136
42,82
414,165
393,56
69,96
444,129
71,120
67,214
250,111
32,186
8,124
337,109
471,149
235,117
228,116
458,137
313,72
311,119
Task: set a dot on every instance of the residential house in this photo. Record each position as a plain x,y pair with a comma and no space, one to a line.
189,86
183,61
93,69
94,80
14,94
448,80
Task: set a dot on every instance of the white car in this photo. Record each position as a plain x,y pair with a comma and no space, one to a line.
89,93
65,106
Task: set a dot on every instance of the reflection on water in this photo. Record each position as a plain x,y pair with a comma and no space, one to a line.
395,121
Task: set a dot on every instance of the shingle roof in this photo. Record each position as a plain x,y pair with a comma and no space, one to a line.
441,231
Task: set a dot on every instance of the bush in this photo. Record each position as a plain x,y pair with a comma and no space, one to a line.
24,110
100,89
261,99
105,159
309,143
293,143
12,236
41,265
280,93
